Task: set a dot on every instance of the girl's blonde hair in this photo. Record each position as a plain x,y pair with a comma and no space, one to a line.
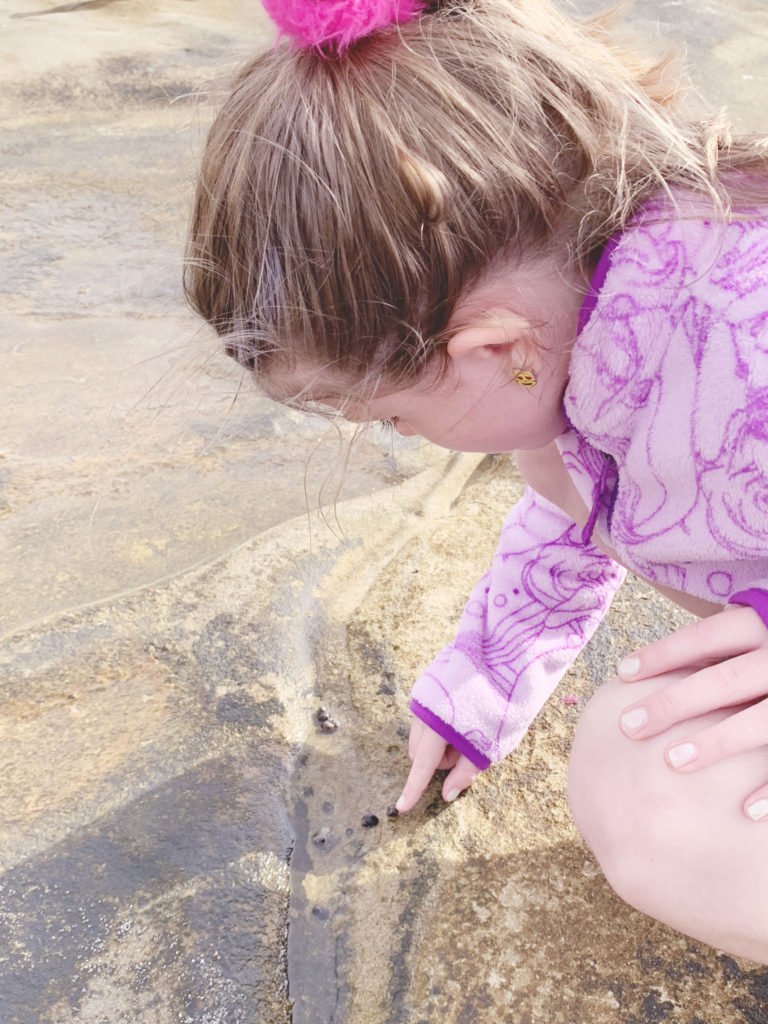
347,202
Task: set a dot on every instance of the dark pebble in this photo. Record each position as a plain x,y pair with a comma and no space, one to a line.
327,806
322,714
328,725
321,838
370,821
392,812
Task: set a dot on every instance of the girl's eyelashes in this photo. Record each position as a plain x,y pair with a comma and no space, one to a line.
390,424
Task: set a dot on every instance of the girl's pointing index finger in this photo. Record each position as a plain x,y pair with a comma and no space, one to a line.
427,757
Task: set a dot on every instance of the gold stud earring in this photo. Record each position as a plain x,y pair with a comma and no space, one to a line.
525,378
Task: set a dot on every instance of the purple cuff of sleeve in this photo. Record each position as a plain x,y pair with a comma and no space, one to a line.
450,735
755,598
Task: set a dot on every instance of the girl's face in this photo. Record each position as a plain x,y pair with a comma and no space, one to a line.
477,406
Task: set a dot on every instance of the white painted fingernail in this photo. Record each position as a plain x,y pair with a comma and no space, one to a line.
400,805
452,795
757,810
629,666
682,754
633,720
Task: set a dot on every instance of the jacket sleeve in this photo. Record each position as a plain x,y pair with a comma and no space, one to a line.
754,597
522,628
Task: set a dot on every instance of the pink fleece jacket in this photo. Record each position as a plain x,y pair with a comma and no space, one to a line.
668,406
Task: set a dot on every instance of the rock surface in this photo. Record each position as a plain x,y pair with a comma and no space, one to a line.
180,841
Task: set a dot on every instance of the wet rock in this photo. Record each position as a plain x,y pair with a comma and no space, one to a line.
241,710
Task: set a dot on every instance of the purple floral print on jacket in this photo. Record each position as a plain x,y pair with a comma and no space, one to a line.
522,627
668,403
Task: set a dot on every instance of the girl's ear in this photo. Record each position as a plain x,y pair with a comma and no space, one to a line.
490,338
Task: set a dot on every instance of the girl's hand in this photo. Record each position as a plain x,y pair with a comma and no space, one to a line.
430,753
727,655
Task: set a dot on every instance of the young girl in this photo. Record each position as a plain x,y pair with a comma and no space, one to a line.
481,222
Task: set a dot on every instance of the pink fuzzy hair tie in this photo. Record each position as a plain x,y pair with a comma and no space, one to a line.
338,23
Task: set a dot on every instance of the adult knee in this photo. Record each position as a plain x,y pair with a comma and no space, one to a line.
623,798
662,837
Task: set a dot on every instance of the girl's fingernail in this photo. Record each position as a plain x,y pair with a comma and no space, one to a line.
682,755
400,805
629,666
452,795
758,810
632,721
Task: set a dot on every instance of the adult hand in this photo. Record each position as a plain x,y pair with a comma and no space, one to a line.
727,655
430,753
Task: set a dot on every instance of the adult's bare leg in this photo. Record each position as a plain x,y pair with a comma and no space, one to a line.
675,846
